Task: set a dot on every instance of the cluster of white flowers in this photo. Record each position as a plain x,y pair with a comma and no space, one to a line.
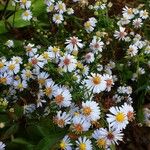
25,5
58,9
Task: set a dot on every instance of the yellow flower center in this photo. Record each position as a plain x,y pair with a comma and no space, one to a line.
28,74
41,81
96,80
82,146
1,65
45,55
78,128
3,80
130,11
24,1
20,85
62,145
26,14
61,7
48,91
57,17
11,67
101,143
120,117
87,24
87,111
55,49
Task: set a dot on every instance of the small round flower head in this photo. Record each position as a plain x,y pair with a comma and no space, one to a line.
120,34
109,81
83,144
132,50
62,119
68,63
137,23
96,45
20,85
90,24
89,58
60,7
10,43
12,67
28,109
30,50
118,118
58,18
40,100
50,88
2,146
42,78
73,44
143,14
62,97
54,52
27,15
128,12
50,7
129,111
65,143
6,79
25,4
96,83
80,124
91,110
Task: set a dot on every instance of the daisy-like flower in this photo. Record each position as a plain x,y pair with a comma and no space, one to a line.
2,145
91,110
65,143
62,119
128,12
2,65
10,43
5,78
132,50
96,82
143,14
96,45
129,111
70,11
50,7
123,21
73,43
109,81
137,23
37,61
20,85
68,63
62,97
46,56
17,59
90,24
25,4
27,15
111,136
83,144
120,34
60,7
54,52
12,67
58,18
80,124
27,74
50,88
42,78
30,50
118,118
89,58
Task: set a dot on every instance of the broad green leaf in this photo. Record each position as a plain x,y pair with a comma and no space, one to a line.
48,142
20,141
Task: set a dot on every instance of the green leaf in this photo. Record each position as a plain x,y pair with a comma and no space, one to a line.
2,27
20,141
48,142
12,130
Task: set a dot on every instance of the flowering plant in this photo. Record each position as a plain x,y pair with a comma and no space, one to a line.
70,73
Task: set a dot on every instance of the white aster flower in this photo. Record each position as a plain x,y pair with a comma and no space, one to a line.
27,15
10,43
2,145
118,118
143,14
65,143
96,83
73,43
60,7
132,50
58,18
89,57
30,50
68,63
121,34
83,144
128,12
137,23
